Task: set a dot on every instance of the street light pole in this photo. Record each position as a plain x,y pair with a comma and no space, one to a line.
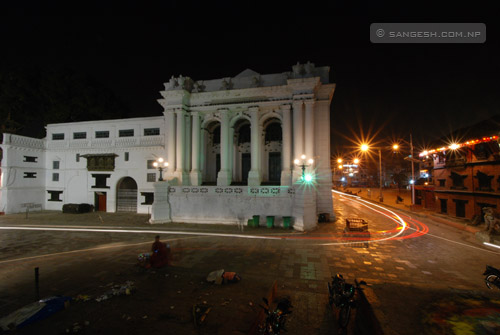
412,174
381,197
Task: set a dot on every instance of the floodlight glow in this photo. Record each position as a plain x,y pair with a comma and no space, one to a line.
340,167
395,146
308,178
411,181
339,160
342,179
364,147
356,160
454,146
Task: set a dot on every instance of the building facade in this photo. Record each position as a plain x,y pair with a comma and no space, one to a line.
465,177
239,134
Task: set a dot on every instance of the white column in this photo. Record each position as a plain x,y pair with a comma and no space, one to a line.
180,171
298,136
187,144
254,174
224,177
170,143
195,175
309,129
286,127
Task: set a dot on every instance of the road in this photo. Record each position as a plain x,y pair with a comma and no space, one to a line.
425,277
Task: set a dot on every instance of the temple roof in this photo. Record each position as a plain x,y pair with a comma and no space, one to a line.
247,73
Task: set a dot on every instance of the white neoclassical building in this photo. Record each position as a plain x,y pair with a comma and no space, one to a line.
230,145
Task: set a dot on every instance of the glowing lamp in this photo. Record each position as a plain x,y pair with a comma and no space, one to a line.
339,160
303,157
308,178
297,162
155,164
356,160
454,146
364,147
310,161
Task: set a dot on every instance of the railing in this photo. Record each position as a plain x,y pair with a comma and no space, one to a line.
22,141
255,191
145,141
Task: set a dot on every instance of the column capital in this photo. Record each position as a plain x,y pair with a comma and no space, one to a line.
309,102
297,102
285,107
195,113
169,110
180,111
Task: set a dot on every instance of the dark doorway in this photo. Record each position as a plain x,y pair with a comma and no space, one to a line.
444,205
217,165
274,167
100,201
126,195
246,164
460,205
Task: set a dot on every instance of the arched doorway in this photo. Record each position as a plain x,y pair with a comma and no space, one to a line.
273,140
126,195
241,153
212,156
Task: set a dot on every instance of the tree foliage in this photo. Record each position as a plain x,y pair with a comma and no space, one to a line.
35,97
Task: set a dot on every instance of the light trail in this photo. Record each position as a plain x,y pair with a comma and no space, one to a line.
172,232
418,232
89,249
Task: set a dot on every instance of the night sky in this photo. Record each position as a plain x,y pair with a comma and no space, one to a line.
382,89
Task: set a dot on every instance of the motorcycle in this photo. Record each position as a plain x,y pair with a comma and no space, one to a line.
275,320
492,278
341,294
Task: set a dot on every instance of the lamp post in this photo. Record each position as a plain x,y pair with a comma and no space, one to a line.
302,164
413,160
160,164
365,148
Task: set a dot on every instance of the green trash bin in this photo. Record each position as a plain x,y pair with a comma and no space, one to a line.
256,220
287,220
250,223
270,222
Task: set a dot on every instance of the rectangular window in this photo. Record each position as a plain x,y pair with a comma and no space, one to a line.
79,135
126,157
102,134
442,182
149,198
126,133
29,175
55,165
55,177
30,159
55,195
100,180
151,131
151,177
77,157
58,136
150,164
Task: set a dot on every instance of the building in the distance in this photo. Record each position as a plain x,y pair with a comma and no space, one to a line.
464,175
231,146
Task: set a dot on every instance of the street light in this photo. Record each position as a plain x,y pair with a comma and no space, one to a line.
302,164
365,148
160,164
413,160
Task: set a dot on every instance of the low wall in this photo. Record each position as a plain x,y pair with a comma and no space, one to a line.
233,204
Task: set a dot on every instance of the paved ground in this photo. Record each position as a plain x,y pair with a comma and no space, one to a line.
411,276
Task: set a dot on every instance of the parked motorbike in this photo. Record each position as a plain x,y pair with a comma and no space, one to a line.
492,278
341,294
275,320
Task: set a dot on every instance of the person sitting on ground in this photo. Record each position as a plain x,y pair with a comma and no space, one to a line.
230,277
160,254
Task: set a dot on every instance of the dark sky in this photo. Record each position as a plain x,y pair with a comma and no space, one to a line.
426,89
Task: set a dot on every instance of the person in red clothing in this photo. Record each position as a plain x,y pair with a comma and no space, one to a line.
160,254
